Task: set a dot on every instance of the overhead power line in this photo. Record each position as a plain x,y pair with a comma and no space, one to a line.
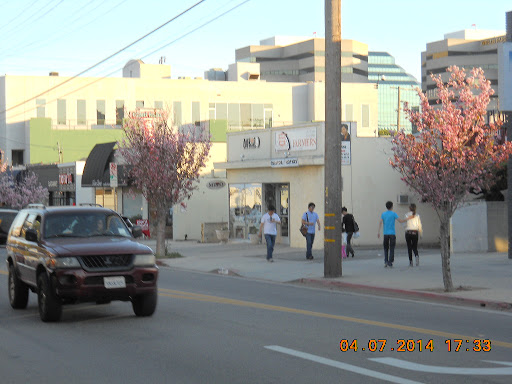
107,58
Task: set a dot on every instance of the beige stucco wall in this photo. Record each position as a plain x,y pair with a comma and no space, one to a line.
368,182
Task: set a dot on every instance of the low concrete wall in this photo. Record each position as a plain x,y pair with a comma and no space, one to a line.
208,234
480,226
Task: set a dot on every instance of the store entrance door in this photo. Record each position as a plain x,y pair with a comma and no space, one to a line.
279,196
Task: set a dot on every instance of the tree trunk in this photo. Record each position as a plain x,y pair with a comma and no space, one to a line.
445,253
160,233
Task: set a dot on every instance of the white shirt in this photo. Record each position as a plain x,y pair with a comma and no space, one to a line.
268,227
413,224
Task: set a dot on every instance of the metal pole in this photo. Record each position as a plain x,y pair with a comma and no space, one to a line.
332,156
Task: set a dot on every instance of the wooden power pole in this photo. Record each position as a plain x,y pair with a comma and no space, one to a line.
332,157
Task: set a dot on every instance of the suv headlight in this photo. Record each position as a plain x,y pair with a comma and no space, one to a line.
64,262
144,260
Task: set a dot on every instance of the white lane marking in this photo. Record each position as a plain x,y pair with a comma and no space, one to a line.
445,370
340,365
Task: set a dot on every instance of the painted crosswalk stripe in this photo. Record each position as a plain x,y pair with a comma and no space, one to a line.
340,365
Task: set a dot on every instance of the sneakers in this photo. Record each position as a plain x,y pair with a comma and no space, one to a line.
309,257
417,261
385,265
270,260
410,263
390,265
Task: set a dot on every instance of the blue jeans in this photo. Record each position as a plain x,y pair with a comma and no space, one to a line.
310,238
389,244
271,240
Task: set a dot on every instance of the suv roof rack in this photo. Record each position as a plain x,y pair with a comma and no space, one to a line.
90,205
42,206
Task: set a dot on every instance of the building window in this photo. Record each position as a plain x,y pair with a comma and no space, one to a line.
159,105
40,105
100,112
176,110
365,115
61,111
196,113
119,112
80,112
139,104
17,157
233,115
211,111
257,116
268,115
245,114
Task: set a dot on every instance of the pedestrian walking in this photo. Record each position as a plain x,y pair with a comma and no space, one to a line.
387,220
413,230
268,224
310,218
348,225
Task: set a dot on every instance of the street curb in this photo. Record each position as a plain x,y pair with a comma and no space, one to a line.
428,295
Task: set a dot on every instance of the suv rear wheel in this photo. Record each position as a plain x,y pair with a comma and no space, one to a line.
50,307
18,290
144,305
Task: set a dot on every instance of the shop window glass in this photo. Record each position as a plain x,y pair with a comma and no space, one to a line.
132,206
221,111
244,209
233,115
257,115
245,114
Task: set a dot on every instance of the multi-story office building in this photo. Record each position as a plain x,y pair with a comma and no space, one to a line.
302,59
395,87
467,49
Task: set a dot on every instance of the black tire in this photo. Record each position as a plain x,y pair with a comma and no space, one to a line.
50,307
144,305
18,290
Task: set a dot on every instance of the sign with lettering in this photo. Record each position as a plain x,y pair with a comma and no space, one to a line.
296,139
251,142
66,178
286,162
144,224
215,184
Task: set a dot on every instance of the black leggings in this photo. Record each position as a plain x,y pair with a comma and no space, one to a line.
411,238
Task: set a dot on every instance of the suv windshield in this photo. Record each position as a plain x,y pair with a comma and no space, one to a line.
83,224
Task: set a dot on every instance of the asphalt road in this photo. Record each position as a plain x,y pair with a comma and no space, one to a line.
221,329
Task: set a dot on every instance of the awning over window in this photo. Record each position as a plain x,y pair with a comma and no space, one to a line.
97,169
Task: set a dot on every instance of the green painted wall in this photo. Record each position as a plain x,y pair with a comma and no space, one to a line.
75,144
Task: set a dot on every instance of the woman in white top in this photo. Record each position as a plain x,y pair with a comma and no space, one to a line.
413,229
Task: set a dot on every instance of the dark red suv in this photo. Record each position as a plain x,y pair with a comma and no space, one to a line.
78,254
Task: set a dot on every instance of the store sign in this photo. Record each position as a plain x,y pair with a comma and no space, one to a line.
65,179
251,142
286,162
297,139
215,184
53,184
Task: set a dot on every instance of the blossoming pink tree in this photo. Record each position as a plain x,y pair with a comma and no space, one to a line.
18,194
455,152
166,163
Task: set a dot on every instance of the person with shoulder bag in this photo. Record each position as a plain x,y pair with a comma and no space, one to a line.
309,219
348,225
413,230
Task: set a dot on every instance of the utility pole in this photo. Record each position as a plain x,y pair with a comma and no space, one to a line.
332,155
59,151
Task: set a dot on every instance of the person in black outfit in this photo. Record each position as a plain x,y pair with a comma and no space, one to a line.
347,225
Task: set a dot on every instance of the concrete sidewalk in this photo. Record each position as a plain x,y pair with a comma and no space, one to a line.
481,279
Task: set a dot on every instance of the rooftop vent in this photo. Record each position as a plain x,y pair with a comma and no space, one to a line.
54,73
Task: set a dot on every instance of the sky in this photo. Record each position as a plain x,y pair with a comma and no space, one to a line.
72,36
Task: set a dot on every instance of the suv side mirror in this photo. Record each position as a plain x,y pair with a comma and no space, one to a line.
31,235
137,231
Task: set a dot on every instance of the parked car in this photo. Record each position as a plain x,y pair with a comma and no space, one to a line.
78,254
6,218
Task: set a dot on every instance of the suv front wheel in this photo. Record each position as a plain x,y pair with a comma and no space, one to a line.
18,290
144,305
50,307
